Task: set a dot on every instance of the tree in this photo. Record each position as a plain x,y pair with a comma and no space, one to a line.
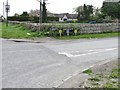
16,14
84,12
24,14
111,9
44,12
88,10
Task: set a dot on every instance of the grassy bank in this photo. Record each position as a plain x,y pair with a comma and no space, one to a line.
0,29
17,32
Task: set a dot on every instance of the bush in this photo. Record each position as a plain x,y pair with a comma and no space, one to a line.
19,18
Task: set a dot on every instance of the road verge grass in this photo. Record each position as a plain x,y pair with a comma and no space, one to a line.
0,29
105,76
88,71
17,32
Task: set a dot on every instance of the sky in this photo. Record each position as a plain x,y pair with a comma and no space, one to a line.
54,6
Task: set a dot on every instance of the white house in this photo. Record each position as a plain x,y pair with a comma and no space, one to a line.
111,0
66,17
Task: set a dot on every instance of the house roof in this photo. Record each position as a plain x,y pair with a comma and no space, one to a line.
111,0
70,16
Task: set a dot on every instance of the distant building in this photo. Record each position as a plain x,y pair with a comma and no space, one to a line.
62,17
66,17
110,2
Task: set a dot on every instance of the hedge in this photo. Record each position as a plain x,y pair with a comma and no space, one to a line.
19,18
32,19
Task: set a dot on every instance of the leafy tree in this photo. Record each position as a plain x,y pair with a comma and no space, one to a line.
111,9
44,12
16,15
84,12
24,14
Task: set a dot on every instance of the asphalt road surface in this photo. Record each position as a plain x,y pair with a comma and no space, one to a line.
46,65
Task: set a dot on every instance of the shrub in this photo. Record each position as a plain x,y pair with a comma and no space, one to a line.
18,18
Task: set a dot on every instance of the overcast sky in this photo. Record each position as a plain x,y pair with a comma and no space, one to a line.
54,6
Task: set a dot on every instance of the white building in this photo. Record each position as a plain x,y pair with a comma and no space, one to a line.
66,17
111,0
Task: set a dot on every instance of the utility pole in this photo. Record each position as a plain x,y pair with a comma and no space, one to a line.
40,13
3,9
44,13
7,7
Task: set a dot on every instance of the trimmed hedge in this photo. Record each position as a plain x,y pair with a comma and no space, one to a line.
32,19
19,18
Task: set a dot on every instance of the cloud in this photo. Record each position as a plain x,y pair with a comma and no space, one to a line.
55,6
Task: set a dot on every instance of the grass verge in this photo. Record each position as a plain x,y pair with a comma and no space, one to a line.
17,32
105,76
88,71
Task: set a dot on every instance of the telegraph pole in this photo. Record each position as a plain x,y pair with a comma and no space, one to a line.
40,12
44,13
7,7
3,9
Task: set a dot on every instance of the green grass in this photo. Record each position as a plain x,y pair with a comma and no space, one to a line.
17,32
110,85
101,35
94,79
114,73
0,29
89,71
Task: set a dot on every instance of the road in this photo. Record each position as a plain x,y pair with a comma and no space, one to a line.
49,64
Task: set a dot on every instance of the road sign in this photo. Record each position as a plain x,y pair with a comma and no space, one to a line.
75,31
68,32
7,8
60,32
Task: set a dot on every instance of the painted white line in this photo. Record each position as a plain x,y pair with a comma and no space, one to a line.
84,54
67,78
68,54
75,74
92,66
85,69
91,50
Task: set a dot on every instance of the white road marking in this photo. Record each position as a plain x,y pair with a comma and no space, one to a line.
67,78
85,69
68,54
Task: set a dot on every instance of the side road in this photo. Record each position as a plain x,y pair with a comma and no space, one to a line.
99,76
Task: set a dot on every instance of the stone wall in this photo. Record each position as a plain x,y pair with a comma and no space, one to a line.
83,28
